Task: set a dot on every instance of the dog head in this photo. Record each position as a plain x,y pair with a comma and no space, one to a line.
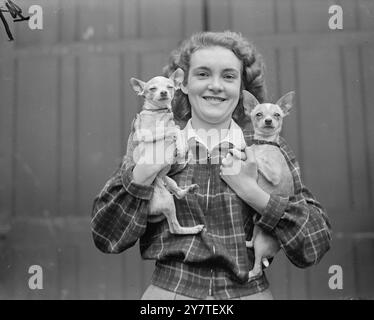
159,91
267,118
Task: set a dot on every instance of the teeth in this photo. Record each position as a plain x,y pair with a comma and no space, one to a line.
213,99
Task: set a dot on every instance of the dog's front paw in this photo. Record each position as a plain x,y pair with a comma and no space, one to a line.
193,188
254,274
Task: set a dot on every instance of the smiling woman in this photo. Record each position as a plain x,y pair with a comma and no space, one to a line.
214,263
213,87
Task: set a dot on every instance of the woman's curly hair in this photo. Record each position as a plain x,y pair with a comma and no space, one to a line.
252,71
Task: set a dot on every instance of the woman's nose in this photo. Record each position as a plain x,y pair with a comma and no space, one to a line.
215,85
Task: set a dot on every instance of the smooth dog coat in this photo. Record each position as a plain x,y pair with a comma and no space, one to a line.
159,140
274,174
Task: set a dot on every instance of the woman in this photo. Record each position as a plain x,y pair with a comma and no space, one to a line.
215,263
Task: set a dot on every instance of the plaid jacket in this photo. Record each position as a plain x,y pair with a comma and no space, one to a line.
216,261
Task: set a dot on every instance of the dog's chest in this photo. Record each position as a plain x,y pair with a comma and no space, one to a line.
154,141
274,173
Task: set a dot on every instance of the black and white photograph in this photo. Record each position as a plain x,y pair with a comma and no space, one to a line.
186,150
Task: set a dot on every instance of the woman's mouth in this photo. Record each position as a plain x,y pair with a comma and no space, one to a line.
214,99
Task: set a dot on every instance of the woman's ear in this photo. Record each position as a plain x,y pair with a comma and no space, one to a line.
184,88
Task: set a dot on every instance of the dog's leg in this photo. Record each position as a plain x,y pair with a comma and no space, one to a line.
256,272
172,186
174,225
162,202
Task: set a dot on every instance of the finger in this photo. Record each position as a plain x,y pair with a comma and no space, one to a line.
265,262
227,161
238,154
249,244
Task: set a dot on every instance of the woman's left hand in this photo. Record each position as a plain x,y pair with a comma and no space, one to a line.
239,170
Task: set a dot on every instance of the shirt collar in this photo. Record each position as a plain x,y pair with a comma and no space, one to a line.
234,135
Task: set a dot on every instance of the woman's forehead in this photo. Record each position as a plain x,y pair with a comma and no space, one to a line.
215,57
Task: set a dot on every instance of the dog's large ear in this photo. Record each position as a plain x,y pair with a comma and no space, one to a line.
177,77
249,102
138,86
286,102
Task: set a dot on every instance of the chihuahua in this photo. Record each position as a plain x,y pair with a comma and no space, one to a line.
274,174
155,132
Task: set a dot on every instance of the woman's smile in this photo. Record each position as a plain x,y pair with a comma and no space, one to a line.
213,86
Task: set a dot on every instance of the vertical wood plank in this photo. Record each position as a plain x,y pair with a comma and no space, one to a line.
284,13
367,68
98,20
353,101
67,104
297,283
350,18
99,121
271,72
130,103
133,276
35,153
7,275
364,265
365,12
19,269
161,18
68,20
323,132
219,15
92,284
278,277
312,16
130,13
253,17
68,269
7,116
286,76
152,64
192,17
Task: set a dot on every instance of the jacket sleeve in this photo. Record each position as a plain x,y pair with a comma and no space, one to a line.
299,221
119,215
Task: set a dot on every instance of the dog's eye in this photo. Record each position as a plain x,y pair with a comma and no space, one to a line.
153,89
277,115
170,87
259,114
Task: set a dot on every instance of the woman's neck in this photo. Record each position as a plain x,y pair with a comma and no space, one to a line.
210,134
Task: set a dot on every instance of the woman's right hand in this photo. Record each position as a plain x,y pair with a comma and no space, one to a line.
151,158
146,173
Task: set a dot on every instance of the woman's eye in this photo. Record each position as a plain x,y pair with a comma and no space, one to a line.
229,76
259,114
202,74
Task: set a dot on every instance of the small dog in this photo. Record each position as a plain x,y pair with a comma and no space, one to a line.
274,174
156,133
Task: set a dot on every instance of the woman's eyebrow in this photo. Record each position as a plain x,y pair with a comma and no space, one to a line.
224,70
231,70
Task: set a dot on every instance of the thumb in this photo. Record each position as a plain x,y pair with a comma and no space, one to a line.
249,154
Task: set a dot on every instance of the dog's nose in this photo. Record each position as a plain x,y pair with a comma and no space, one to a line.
163,93
268,121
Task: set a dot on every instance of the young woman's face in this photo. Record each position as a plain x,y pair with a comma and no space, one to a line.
213,84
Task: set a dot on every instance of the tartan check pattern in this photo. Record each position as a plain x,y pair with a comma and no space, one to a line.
216,261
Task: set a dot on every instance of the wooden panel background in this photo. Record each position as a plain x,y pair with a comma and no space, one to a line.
66,107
